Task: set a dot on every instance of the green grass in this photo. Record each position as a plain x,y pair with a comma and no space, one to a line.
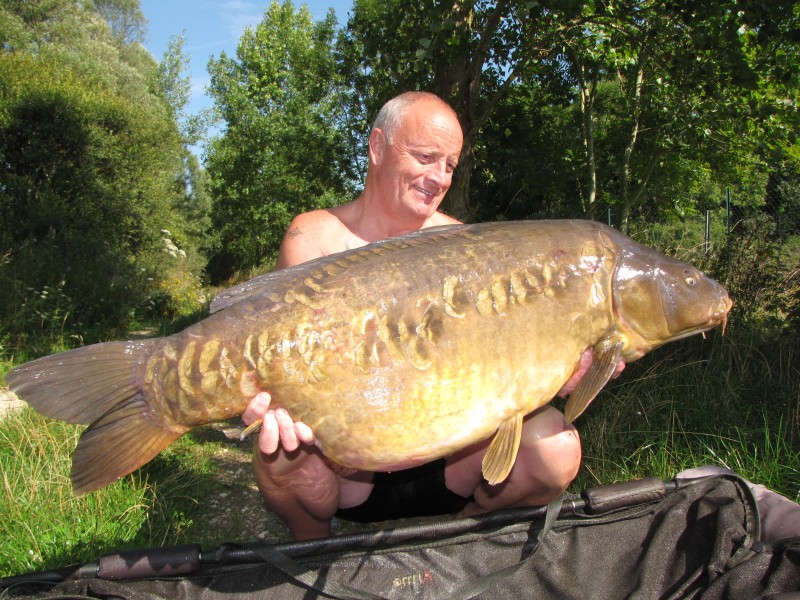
720,401
44,525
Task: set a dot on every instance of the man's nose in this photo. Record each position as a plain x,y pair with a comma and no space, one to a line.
439,173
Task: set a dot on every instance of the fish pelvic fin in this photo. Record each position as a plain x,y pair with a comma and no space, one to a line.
607,353
502,451
118,443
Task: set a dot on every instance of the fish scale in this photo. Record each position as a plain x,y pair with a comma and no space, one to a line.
395,354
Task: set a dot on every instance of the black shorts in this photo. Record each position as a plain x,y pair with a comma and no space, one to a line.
416,492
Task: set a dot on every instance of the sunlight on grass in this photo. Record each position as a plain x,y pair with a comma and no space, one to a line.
45,525
670,412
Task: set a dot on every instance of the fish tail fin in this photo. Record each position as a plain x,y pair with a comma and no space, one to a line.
80,385
99,385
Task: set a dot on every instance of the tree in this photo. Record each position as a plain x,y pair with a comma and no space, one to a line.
125,18
281,152
87,155
688,78
681,70
191,201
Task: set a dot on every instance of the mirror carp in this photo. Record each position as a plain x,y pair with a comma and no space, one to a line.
395,353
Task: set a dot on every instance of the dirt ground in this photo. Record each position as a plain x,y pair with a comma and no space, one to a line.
235,511
9,401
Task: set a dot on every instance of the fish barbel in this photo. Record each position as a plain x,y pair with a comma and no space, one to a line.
395,354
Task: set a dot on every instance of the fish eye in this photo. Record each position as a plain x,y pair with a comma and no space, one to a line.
690,279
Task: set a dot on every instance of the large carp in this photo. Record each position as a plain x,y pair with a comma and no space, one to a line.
395,354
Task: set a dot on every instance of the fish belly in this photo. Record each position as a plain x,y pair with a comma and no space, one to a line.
446,355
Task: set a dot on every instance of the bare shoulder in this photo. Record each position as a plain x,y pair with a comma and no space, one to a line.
313,221
310,235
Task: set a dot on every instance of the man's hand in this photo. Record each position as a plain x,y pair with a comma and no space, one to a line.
583,366
277,428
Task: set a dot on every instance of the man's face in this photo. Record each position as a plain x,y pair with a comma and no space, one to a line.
416,169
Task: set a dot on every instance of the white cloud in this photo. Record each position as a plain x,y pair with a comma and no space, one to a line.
238,14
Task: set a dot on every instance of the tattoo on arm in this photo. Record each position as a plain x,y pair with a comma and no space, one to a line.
294,232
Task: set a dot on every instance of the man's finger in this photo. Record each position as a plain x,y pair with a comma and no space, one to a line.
286,430
269,438
257,407
304,433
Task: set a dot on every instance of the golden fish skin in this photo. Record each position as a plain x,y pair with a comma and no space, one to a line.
395,354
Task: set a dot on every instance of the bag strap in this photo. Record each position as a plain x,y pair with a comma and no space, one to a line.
309,577
339,591
487,581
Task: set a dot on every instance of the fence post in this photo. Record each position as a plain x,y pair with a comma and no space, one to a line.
728,210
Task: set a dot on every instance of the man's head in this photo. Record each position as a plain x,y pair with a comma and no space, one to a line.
413,149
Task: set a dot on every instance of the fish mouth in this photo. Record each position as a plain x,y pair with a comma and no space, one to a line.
719,316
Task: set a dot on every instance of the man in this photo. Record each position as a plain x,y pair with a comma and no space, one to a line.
414,147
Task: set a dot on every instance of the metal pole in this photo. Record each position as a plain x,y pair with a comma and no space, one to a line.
727,210
609,216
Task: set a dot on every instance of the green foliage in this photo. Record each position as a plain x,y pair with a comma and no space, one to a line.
92,168
178,294
82,208
762,278
281,152
125,17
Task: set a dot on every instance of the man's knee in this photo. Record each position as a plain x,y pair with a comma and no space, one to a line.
548,460
550,450
301,479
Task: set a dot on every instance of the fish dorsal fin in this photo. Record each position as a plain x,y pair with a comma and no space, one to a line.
266,283
502,452
606,355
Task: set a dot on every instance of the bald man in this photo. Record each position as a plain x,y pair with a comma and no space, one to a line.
414,147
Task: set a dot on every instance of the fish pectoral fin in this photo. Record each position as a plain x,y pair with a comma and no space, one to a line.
502,451
606,356
118,443
254,427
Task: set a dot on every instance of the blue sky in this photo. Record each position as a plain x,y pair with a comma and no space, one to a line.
211,27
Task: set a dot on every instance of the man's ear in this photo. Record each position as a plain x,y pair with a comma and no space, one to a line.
377,144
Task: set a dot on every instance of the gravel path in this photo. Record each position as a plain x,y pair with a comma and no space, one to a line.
9,401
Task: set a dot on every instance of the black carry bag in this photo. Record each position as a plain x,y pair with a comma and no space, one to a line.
639,539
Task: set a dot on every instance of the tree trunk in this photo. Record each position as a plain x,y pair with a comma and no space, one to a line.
625,174
456,202
587,89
